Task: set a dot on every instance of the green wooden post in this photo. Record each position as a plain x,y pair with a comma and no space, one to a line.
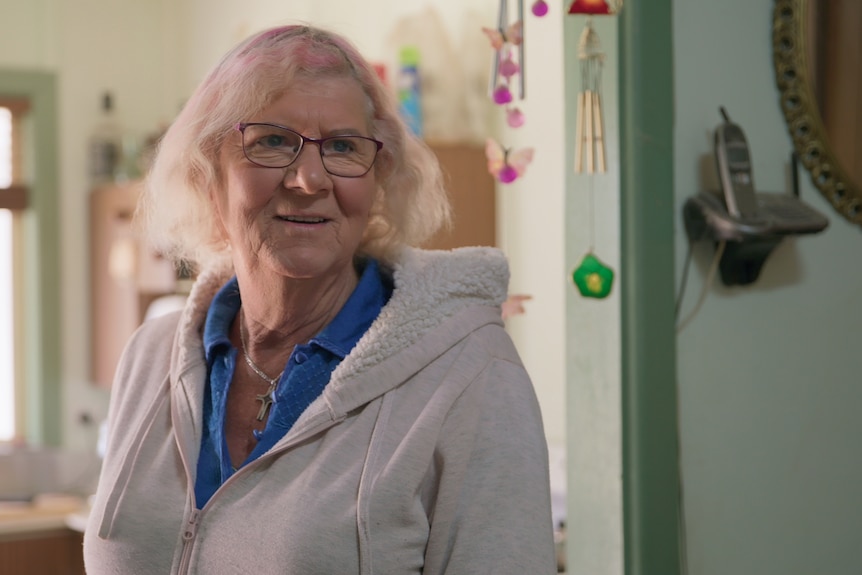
650,435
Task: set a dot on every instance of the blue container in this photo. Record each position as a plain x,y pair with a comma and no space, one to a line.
409,88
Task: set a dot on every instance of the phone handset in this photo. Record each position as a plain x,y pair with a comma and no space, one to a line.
734,169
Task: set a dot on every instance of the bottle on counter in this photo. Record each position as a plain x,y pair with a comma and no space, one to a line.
106,145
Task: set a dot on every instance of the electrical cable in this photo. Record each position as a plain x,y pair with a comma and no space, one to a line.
713,267
683,536
684,281
683,528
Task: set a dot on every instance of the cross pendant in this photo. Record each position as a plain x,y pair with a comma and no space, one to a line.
265,399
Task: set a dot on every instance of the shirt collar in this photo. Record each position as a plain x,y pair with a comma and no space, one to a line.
222,310
339,337
359,312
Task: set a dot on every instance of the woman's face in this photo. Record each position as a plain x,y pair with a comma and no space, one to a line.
300,222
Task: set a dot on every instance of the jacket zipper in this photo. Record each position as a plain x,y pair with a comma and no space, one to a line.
189,534
191,527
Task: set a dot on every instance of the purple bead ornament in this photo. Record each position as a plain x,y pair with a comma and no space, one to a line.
502,95
539,8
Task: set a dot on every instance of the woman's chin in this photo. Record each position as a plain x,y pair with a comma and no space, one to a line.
309,264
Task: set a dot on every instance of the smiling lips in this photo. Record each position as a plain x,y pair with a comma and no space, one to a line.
302,219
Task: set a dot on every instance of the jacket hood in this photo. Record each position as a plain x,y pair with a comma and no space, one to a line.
457,291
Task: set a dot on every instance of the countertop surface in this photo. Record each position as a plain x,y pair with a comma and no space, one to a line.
44,513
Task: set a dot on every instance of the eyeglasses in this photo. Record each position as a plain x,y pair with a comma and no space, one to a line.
274,146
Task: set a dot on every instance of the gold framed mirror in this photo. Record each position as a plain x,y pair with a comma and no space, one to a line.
817,55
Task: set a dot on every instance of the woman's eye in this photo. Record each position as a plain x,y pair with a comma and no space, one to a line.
272,141
341,146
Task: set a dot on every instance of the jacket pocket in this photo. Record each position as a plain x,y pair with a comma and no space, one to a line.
113,495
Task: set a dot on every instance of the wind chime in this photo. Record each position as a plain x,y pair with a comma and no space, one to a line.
593,278
507,67
590,141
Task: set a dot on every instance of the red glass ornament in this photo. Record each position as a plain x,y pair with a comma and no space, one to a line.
589,7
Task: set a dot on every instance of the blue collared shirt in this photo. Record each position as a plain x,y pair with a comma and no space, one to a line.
306,374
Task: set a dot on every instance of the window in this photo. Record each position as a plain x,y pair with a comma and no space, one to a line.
12,201
7,347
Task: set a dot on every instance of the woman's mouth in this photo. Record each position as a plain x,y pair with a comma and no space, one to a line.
302,219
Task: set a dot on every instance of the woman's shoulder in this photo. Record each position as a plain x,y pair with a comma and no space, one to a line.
151,344
475,272
157,329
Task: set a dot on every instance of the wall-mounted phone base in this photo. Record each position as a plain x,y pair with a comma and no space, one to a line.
749,241
741,262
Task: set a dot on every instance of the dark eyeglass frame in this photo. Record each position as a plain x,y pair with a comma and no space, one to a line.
241,127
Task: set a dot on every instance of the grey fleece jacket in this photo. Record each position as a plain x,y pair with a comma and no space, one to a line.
424,454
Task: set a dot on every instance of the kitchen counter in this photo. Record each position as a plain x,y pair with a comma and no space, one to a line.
44,513
37,538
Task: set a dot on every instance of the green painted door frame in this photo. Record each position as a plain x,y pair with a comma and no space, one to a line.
650,435
42,312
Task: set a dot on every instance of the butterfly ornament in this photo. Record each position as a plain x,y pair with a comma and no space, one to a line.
513,35
504,164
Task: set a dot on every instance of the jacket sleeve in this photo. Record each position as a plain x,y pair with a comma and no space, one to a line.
492,513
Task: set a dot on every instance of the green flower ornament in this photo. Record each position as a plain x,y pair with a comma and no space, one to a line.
593,278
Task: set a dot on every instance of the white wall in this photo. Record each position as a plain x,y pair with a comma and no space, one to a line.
768,374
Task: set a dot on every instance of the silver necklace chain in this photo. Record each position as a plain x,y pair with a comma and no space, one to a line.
273,382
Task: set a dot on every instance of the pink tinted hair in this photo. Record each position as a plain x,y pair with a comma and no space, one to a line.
175,209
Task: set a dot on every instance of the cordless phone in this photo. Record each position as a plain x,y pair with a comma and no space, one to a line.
733,161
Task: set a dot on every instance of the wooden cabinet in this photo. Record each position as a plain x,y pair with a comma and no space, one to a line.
472,193
57,552
125,276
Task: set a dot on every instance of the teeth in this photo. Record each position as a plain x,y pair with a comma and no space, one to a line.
303,220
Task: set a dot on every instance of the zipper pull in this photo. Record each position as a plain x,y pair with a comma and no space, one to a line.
192,526
189,534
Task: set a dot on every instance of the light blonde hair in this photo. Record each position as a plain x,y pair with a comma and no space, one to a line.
175,209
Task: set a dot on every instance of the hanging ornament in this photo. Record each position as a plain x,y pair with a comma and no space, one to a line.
593,278
504,164
513,34
508,66
539,8
504,67
502,95
590,141
507,41
595,7
514,117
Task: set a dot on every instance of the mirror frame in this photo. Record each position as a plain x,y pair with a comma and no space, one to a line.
810,140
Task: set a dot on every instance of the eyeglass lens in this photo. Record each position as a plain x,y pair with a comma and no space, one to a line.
276,147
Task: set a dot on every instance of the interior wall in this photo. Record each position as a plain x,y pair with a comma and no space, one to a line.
593,387
768,374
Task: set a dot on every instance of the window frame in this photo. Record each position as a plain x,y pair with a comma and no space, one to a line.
14,198
37,262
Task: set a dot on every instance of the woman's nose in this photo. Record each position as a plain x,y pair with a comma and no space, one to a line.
307,173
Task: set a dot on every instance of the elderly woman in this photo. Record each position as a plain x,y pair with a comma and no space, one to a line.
330,400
